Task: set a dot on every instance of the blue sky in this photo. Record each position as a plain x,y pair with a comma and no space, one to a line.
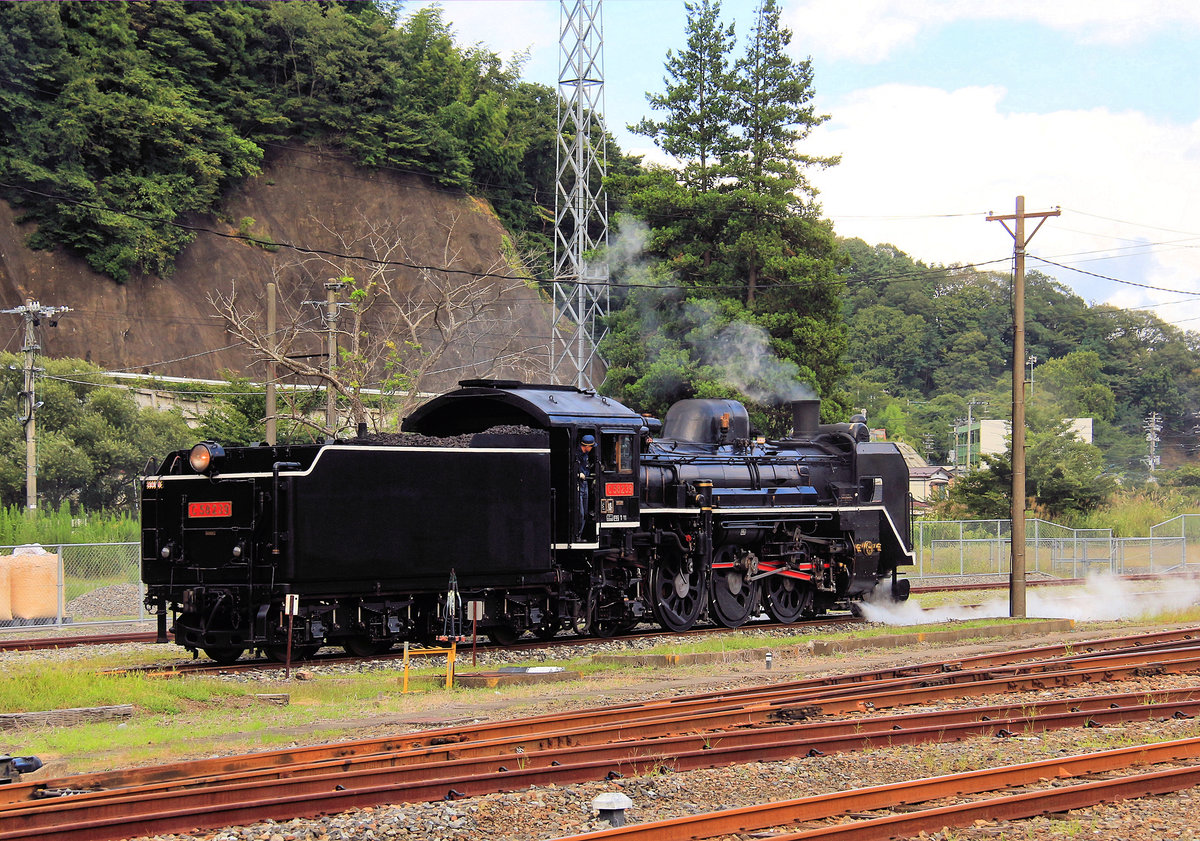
944,110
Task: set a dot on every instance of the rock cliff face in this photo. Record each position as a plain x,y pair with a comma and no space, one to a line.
334,212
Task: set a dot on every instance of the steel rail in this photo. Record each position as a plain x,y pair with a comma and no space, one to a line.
469,784
174,810
835,804
708,741
238,666
790,700
44,643
1012,807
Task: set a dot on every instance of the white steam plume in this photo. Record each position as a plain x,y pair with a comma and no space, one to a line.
1104,597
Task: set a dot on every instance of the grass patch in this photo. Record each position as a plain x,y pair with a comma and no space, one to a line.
29,687
192,716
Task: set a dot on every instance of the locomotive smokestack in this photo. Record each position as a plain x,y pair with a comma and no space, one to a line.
806,418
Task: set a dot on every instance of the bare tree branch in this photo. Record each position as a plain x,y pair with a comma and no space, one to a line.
401,335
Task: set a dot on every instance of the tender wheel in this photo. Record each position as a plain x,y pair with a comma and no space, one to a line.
224,655
787,599
732,597
366,647
278,653
677,591
504,635
547,630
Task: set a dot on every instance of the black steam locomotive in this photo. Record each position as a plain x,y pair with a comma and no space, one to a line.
492,510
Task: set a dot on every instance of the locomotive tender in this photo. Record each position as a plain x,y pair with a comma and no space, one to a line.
374,543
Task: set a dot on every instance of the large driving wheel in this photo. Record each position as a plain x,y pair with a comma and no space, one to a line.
733,597
677,590
787,599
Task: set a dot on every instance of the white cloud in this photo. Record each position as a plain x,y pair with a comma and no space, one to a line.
506,27
870,30
913,156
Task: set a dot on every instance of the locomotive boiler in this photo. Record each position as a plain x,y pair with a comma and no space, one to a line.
367,542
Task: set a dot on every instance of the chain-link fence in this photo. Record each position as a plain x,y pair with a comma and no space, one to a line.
71,583
984,547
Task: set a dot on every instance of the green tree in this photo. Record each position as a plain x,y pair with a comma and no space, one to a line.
119,119
93,441
745,277
698,99
772,114
1064,476
1076,382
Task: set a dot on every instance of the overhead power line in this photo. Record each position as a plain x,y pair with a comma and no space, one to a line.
1115,279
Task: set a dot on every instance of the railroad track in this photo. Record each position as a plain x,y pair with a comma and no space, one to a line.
721,728
199,667
885,799
42,643
50,643
247,664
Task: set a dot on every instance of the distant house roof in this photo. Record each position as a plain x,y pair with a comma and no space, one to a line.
911,457
930,471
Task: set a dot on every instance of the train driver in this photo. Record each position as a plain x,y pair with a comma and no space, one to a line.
583,469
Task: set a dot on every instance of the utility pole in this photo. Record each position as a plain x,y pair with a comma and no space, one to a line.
272,371
27,405
1153,426
1016,585
330,317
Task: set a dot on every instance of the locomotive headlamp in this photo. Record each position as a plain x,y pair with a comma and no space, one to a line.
203,454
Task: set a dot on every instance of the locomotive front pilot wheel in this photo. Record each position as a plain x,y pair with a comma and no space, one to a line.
678,592
786,599
733,597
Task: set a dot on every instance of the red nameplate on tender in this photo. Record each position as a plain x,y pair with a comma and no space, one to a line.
210,509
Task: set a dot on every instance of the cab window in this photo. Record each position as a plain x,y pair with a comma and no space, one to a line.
617,453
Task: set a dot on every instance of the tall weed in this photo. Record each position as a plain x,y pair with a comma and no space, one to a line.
49,526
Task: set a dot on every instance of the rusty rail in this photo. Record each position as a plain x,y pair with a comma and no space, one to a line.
835,804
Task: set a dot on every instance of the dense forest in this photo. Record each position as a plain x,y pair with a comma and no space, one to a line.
929,340
124,122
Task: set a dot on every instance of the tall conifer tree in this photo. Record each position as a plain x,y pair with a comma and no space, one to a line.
698,98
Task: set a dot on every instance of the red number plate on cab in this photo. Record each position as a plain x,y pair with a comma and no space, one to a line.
618,488
210,509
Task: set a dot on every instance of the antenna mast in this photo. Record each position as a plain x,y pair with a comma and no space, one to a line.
580,204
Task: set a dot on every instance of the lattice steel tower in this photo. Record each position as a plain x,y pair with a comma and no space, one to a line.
580,204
